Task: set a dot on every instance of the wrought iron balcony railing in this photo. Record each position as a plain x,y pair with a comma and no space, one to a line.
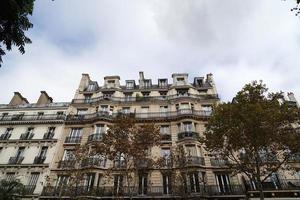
218,162
26,136
15,160
144,98
96,137
195,160
48,135
65,164
188,135
29,189
74,140
93,162
39,159
44,117
142,116
150,191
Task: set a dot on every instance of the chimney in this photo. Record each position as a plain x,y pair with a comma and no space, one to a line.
18,99
209,78
84,82
141,74
44,99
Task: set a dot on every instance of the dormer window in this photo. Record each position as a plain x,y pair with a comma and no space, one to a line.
146,94
147,83
129,85
162,83
182,93
111,81
91,87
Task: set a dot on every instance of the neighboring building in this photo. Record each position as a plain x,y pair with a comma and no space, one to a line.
181,109
29,134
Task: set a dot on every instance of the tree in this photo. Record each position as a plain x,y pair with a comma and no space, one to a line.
14,22
11,189
128,145
255,132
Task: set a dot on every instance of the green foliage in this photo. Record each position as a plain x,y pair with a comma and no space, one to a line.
10,190
13,24
255,132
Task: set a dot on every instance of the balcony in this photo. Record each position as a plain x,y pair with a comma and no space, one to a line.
39,159
93,162
217,162
26,136
96,137
73,140
189,135
144,98
140,116
282,184
65,164
195,160
15,160
45,117
148,192
119,164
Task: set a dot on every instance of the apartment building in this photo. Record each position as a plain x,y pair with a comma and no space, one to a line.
39,140
29,136
181,110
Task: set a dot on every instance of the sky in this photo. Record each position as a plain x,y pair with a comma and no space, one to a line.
237,41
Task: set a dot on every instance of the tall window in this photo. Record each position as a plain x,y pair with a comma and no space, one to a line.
223,183
191,150
129,85
194,182
187,126
118,184
167,184
88,181
87,98
6,134
100,129
62,180
50,133
164,129
20,152
75,133
68,154
33,179
143,183
43,151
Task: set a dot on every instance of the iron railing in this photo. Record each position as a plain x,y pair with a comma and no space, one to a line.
65,164
39,159
32,117
93,162
218,162
141,116
73,140
144,98
5,136
188,135
26,136
15,160
96,137
48,135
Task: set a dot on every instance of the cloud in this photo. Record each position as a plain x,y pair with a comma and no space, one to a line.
238,41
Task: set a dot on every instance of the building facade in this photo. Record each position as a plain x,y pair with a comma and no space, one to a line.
29,135
180,108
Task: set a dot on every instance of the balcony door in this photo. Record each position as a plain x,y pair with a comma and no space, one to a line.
167,184
223,183
143,184
194,182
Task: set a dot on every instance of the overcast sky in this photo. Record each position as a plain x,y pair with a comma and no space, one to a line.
238,41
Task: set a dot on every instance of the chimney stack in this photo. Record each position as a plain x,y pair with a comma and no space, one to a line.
17,99
44,99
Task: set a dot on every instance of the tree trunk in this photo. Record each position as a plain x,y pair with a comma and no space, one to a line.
260,187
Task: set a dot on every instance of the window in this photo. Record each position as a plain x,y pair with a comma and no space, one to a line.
223,183
68,154
40,115
187,126
60,114
43,152
194,182
28,134
167,183
207,109
118,183
182,93
100,129
104,108
87,98
111,81
147,83
162,83
165,152
62,180
6,134
33,179
75,133
50,133
4,115
88,181
129,85
143,183
91,87
164,129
